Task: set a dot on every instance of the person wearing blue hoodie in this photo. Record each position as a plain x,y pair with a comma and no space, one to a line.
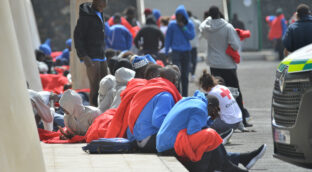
178,36
192,114
118,37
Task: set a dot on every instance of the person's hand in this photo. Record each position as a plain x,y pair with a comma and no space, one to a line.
181,24
88,62
65,135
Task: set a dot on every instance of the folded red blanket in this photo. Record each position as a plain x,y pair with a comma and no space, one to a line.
54,83
232,53
52,137
193,146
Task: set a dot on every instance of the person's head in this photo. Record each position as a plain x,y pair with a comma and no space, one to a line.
219,80
46,47
130,12
279,11
139,64
40,55
150,20
181,19
126,55
68,44
152,71
213,106
122,62
189,13
110,53
171,73
235,16
164,21
117,18
303,10
214,12
99,5
111,64
71,102
156,13
147,12
207,81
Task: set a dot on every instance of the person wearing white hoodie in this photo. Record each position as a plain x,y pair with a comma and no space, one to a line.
107,92
77,118
220,34
123,76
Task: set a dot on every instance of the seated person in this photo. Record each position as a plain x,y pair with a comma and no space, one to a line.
123,76
182,134
107,92
150,106
140,63
230,113
77,117
43,111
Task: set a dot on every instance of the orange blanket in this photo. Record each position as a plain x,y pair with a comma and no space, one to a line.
151,89
193,146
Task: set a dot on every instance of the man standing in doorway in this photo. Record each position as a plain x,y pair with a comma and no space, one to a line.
90,45
178,36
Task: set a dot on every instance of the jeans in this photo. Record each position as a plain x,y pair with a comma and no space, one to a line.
193,60
182,60
221,127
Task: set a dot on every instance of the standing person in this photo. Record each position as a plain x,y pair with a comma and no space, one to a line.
278,26
219,34
149,37
119,37
299,33
89,41
178,36
194,44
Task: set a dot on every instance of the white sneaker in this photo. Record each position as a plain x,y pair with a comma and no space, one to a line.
226,137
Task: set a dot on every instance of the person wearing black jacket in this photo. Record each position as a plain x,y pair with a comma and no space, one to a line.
90,45
149,36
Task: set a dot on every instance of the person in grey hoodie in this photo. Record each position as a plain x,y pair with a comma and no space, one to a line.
107,92
123,76
220,34
77,118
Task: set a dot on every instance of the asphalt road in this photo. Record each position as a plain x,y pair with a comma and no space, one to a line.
256,83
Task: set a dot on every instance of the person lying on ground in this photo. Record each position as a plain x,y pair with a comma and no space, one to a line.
77,117
182,135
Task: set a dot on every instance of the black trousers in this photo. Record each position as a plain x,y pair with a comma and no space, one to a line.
150,146
193,60
231,80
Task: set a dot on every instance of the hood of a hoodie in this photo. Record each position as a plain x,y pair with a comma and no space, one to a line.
86,9
181,10
107,83
213,25
123,75
71,102
200,95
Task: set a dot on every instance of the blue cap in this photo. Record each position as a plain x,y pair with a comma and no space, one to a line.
68,42
156,14
141,61
46,47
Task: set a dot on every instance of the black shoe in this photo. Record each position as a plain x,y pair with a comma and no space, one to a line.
246,124
250,159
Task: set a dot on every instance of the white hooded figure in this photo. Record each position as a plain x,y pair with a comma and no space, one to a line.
77,118
123,76
107,92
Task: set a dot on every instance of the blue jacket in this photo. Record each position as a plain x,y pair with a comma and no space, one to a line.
152,116
298,34
119,38
190,113
179,38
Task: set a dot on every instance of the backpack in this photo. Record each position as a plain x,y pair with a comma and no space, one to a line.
109,145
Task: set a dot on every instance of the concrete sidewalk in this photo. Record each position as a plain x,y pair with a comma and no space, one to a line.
70,157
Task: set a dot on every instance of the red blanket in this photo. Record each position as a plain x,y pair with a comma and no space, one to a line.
54,83
152,88
243,34
52,137
99,127
119,123
193,146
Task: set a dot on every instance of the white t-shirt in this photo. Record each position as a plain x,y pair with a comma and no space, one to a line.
230,112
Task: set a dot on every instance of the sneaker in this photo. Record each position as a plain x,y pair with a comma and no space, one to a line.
242,128
254,156
226,136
